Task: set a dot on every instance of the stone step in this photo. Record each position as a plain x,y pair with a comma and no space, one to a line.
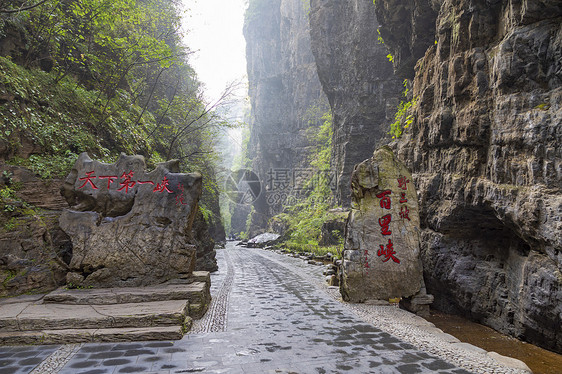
68,336
196,293
33,316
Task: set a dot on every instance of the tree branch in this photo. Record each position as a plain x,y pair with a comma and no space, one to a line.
10,11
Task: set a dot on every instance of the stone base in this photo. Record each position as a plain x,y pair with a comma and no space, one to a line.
418,303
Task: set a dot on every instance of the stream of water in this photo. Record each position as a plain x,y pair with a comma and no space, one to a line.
539,360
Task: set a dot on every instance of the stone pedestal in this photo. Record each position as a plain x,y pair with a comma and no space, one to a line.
418,303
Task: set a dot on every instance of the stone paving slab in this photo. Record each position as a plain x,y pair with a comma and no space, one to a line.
67,336
33,317
276,323
273,319
23,359
60,316
194,292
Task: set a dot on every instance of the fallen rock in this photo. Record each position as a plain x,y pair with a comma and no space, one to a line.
262,240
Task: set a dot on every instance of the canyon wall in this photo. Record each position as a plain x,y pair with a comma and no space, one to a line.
286,98
485,149
358,80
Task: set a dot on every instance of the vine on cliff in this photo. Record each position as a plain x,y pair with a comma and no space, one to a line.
404,116
305,218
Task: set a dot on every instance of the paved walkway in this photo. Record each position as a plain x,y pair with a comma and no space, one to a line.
264,318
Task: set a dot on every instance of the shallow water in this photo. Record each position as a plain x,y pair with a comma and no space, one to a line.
539,360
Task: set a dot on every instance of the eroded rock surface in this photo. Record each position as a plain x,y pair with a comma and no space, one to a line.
382,244
34,251
485,149
205,244
358,80
287,100
129,227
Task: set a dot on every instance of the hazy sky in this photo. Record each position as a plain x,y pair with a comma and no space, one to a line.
215,33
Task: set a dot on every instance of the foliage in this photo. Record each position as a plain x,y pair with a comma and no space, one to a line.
207,213
380,40
404,116
8,199
104,77
249,222
306,7
255,9
304,219
13,208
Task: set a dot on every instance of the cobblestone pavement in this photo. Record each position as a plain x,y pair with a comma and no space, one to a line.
264,318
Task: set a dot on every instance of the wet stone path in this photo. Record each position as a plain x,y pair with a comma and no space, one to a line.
264,318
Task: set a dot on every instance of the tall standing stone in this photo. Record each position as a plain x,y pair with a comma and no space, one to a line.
381,258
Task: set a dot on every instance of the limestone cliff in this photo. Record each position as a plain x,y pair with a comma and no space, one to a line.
34,251
286,97
358,80
485,149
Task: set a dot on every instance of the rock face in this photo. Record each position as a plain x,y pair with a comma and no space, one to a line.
34,251
485,149
286,98
215,227
204,242
357,79
381,257
129,227
333,230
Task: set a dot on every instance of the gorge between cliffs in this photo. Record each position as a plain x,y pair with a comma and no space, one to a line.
410,151
476,87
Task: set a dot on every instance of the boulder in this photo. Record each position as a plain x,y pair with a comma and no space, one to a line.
332,231
129,227
381,257
262,240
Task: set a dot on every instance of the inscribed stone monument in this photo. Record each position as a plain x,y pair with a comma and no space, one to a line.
381,251
129,227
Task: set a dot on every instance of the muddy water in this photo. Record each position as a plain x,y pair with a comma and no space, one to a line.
539,360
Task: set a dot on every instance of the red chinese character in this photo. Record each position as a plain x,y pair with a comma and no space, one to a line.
403,197
404,211
110,179
180,197
385,199
146,182
88,179
127,183
402,183
388,252
160,187
384,222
